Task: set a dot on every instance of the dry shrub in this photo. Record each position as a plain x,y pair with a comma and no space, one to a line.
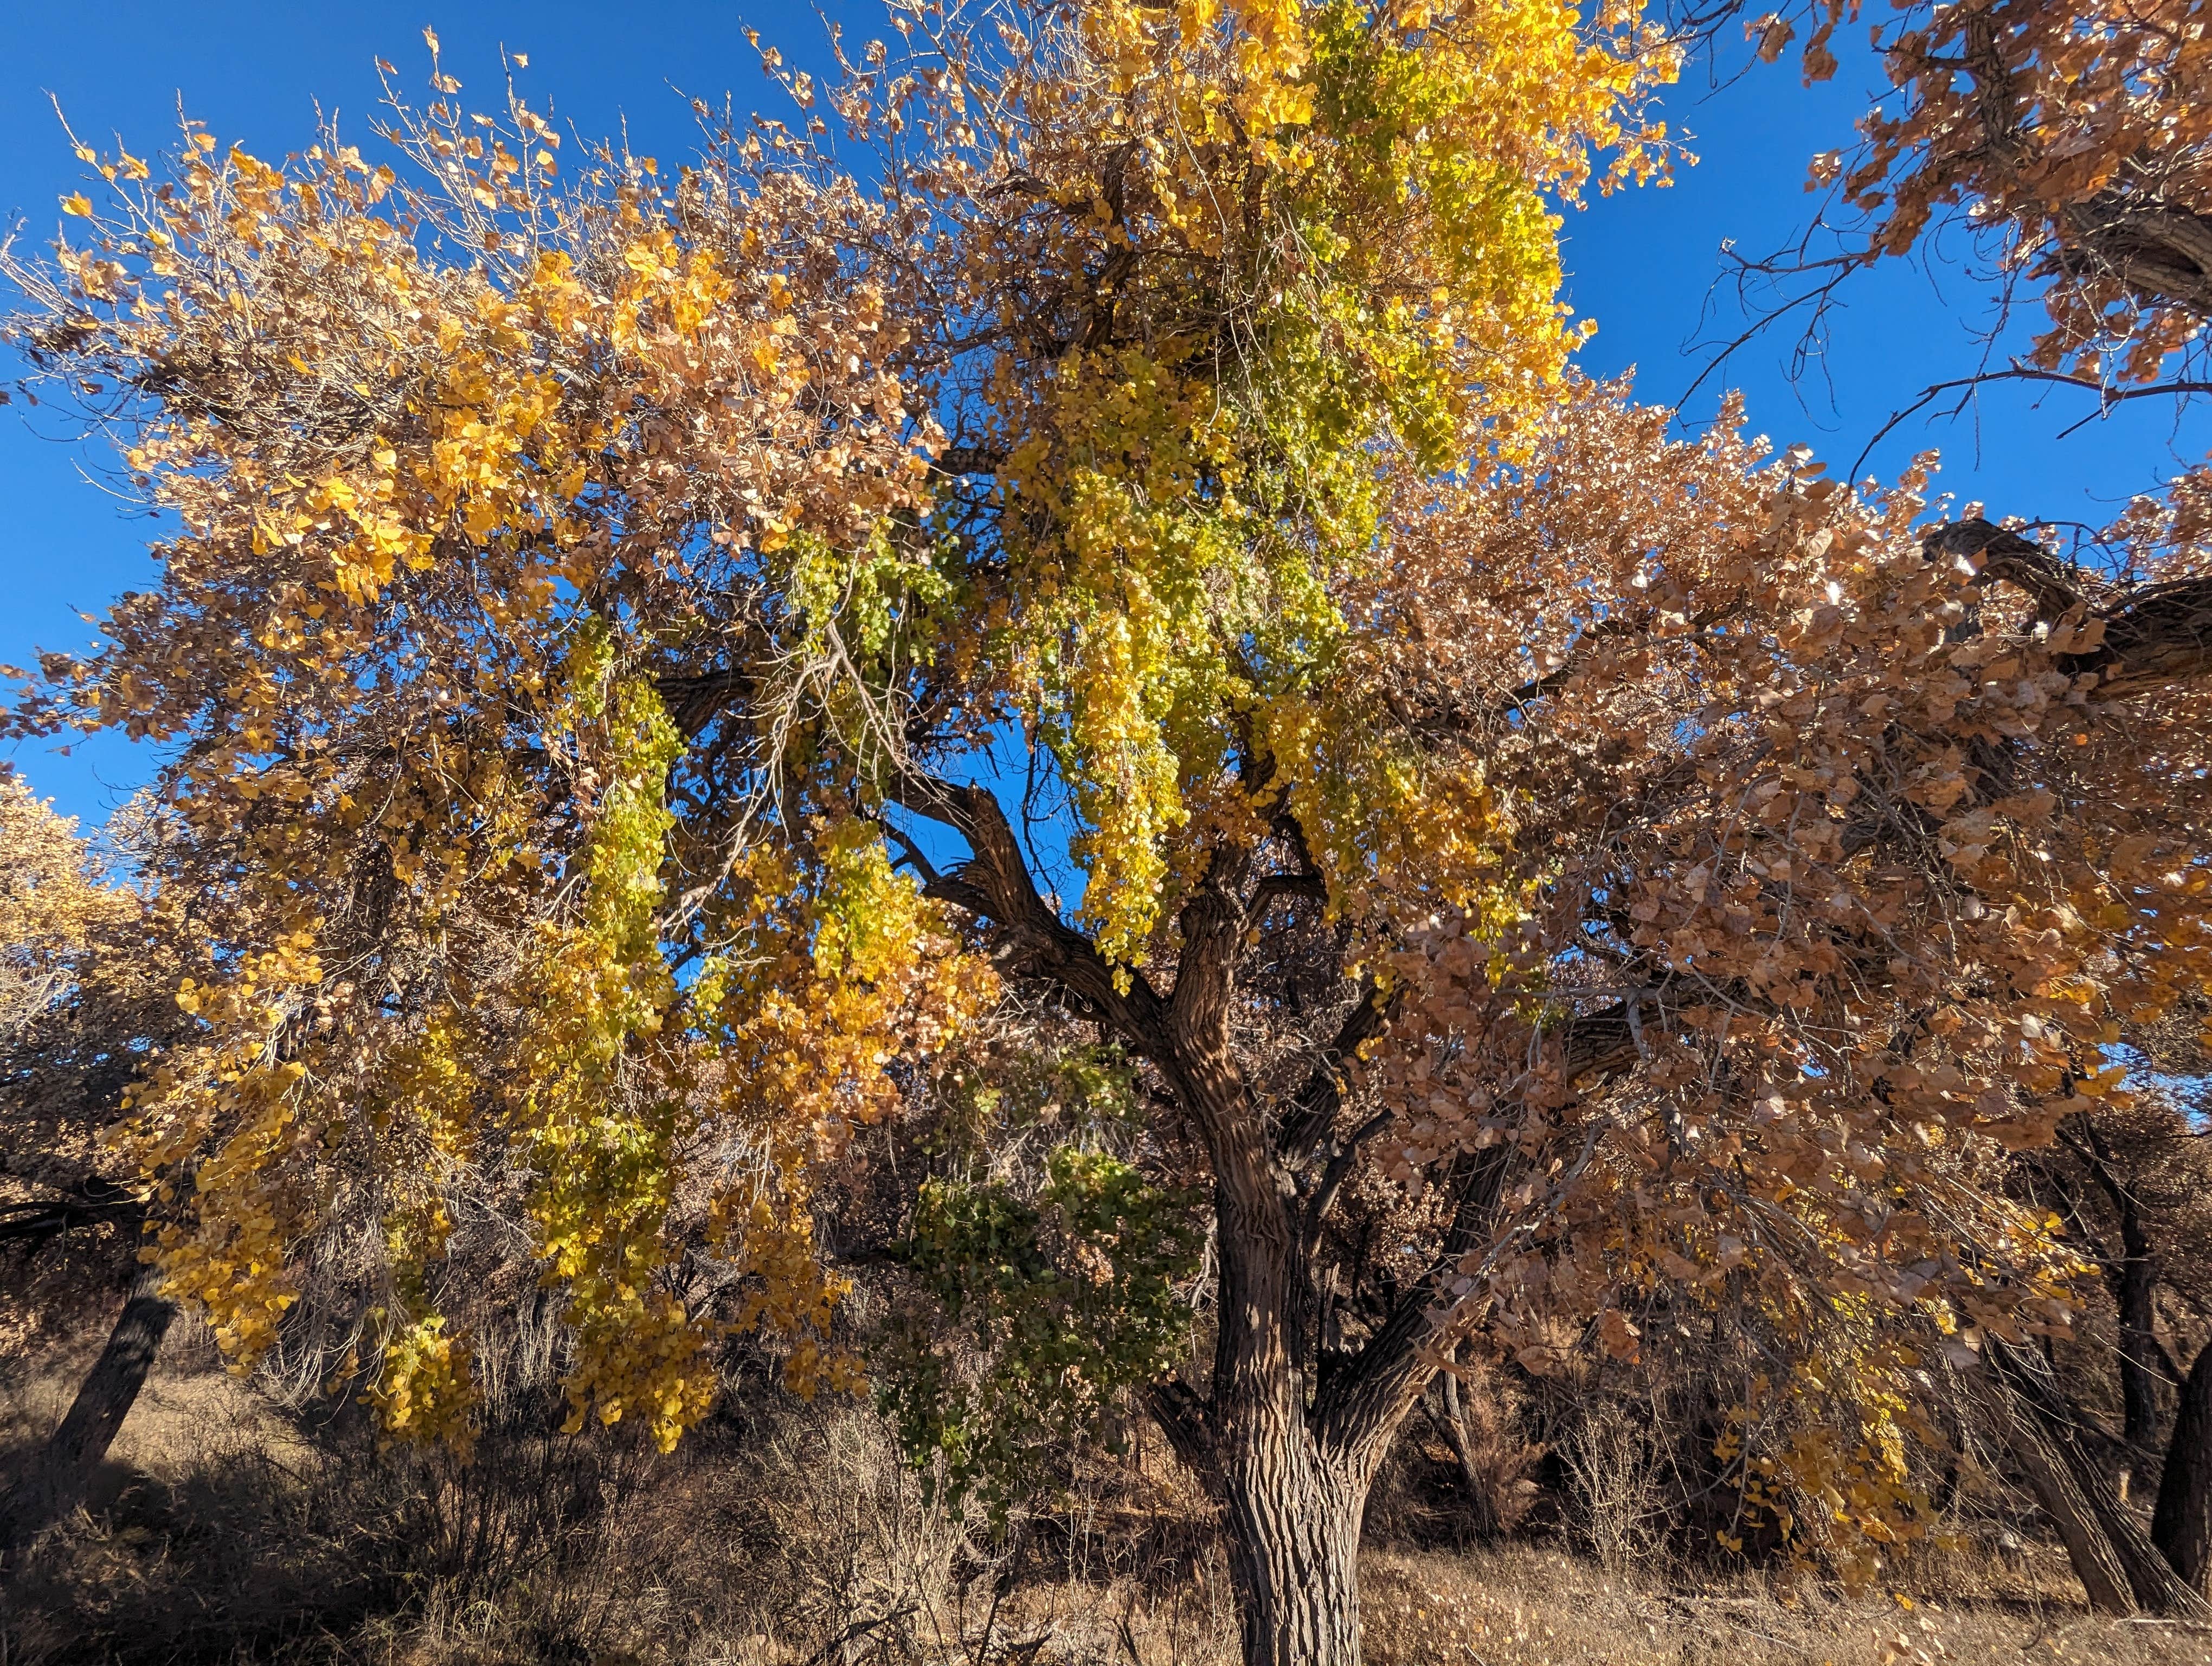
270,1546
1491,1416
831,1549
1463,1469
234,1530
1623,1515
1629,1474
238,1531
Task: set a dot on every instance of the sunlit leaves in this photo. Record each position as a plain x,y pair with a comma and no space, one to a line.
574,599
1240,260
2081,133
457,460
1841,879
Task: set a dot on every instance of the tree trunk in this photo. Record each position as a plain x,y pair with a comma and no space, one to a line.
2069,1486
2133,1280
2140,1372
2056,1488
1293,1504
2181,1525
62,1473
1480,1505
1290,1460
1293,1522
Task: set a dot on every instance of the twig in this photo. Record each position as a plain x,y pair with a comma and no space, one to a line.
2108,396
859,1628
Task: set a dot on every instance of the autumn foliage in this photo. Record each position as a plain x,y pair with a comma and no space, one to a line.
1650,880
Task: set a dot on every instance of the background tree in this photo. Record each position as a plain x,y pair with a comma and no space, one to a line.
89,967
2128,1181
2066,143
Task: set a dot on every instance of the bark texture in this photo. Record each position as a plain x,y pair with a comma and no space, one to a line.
2102,1535
1453,1425
2153,634
1294,1518
2096,1564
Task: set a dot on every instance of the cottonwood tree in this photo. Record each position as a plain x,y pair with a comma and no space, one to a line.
2066,143
2130,1182
89,968
2062,145
1640,868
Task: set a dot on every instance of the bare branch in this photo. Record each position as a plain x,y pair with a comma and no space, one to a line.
2107,395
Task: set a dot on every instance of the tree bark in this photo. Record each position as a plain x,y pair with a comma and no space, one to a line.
2071,1488
2154,634
1480,1506
2056,1488
61,1476
2181,1523
2134,1283
1293,1519
1293,1502
2139,1363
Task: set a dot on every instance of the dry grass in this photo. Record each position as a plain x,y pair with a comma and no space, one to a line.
794,1538
1515,1606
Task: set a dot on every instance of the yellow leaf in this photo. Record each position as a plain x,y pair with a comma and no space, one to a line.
78,204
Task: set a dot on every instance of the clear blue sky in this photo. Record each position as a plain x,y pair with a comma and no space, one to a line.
1642,263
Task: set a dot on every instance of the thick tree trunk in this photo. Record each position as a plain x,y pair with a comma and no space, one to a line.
1289,1458
62,1473
1293,1490
1293,1505
2181,1525
1293,1522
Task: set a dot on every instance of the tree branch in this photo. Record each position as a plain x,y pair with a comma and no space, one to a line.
2153,634
2108,395
2161,635
956,461
1364,1397
1274,887
1213,927
2003,557
1179,1413
1339,1166
93,1202
995,885
1314,1107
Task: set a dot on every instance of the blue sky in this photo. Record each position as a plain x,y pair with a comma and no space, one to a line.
1642,263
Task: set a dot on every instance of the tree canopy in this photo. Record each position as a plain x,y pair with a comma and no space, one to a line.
1642,877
